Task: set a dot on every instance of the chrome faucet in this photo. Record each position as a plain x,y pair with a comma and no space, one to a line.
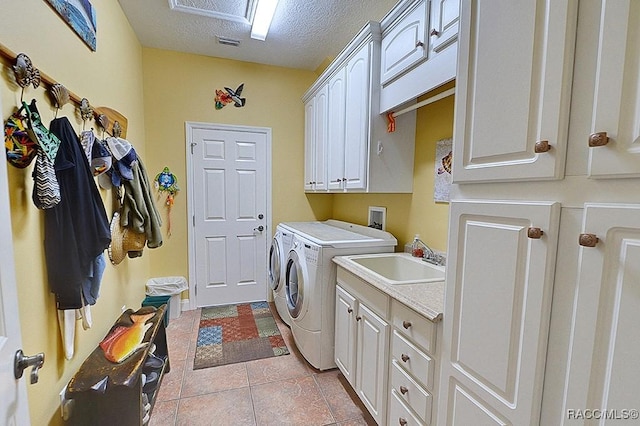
432,257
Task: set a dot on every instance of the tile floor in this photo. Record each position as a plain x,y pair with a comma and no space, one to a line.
283,390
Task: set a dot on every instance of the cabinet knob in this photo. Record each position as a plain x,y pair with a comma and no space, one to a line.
534,233
419,44
358,318
542,147
403,390
434,32
598,139
588,240
349,310
406,324
402,421
404,357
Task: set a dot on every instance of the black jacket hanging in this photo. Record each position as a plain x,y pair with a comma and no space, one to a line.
77,229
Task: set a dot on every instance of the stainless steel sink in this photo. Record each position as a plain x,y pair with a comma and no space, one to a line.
399,268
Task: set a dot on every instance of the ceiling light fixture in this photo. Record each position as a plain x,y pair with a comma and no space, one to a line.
262,19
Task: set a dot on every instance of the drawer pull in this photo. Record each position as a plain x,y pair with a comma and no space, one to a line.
588,240
535,233
542,147
419,44
349,310
402,422
434,32
403,390
598,139
404,357
358,318
406,324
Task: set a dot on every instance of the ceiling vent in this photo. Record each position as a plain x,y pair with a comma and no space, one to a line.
228,41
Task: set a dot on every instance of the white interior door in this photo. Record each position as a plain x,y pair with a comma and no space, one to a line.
229,193
13,393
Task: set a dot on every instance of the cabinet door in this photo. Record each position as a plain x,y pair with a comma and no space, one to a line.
372,355
616,109
499,285
404,46
513,89
336,141
309,144
321,106
345,334
445,17
605,346
357,119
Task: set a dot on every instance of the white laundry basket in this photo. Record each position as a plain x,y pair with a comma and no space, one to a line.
168,286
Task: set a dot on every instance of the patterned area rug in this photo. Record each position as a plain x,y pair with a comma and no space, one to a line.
237,333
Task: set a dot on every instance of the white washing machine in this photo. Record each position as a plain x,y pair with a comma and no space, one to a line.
310,280
280,246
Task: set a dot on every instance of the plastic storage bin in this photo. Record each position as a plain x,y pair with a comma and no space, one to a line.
158,301
168,286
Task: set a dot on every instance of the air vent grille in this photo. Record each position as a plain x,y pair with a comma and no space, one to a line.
228,41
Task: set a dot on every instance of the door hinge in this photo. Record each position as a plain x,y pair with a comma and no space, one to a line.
194,220
192,145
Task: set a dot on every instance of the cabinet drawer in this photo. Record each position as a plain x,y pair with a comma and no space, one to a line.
376,300
399,414
412,359
419,329
408,390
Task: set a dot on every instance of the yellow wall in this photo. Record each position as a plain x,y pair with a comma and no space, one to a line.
112,77
417,213
181,87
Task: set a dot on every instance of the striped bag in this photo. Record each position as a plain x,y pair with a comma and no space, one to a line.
46,190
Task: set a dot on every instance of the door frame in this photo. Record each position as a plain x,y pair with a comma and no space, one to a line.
190,126
9,302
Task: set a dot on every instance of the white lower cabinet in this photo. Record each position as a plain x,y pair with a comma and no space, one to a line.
362,342
598,375
501,262
386,351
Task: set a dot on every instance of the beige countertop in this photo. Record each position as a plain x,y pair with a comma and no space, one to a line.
425,298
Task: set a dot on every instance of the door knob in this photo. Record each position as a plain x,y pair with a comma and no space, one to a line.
22,362
259,228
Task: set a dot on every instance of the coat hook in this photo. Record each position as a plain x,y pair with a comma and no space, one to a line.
60,95
26,74
117,129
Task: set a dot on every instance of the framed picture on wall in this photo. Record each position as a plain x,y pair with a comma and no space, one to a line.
80,16
442,181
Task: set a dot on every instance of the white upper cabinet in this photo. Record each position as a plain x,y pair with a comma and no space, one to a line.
497,310
513,90
357,120
419,49
445,20
316,122
406,43
346,139
336,132
614,134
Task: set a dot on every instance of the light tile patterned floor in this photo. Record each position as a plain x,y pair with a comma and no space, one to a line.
282,390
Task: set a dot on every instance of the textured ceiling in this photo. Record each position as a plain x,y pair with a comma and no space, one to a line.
303,33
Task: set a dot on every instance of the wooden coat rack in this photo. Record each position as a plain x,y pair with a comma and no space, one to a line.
112,115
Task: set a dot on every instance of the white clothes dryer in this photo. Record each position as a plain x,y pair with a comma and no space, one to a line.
310,280
280,246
